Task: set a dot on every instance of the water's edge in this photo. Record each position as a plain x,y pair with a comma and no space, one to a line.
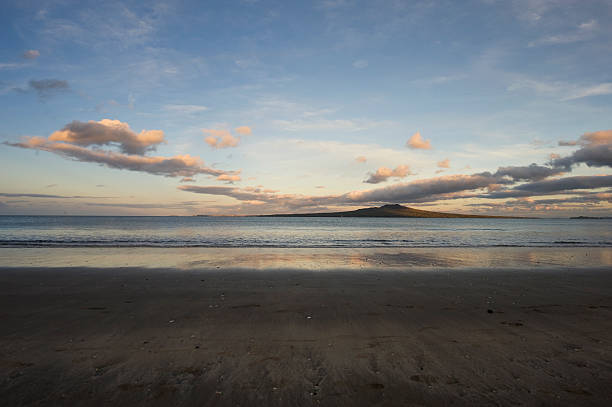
310,259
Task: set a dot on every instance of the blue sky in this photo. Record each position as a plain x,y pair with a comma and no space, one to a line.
303,106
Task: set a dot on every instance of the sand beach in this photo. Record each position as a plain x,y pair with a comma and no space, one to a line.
158,337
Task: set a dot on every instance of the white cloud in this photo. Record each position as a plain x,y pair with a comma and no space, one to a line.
360,64
439,80
9,65
186,109
562,90
595,90
583,32
326,125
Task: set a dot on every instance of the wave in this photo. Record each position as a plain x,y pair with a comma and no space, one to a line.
298,244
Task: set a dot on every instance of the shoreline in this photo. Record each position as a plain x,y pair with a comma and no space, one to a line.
144,336
258,258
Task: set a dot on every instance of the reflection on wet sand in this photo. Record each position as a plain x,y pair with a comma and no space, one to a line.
309,259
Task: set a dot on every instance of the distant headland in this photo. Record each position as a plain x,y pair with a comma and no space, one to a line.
387,211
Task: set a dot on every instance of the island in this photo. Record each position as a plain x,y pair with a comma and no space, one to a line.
388,211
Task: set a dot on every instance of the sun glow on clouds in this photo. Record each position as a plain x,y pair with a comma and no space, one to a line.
444,163
418,142
510,182
223,138
74,139
106,132
316,105
383,174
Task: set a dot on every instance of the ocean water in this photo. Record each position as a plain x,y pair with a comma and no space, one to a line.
278,232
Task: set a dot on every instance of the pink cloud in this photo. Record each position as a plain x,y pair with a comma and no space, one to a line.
417,142
220,138
74,139
243,130
230,178
591,139
223,138
109,132
444,163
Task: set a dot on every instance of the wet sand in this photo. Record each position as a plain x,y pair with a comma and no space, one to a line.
135,336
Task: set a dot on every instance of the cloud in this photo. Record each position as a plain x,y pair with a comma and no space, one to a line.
180,205
331,4
416,191
597,138
47,87
533,10
243,130
320,124
31,54
595,90
383,173
582,32
444,163
220,138
438,80
577,201
10,65
230,178
506,182
242,194
113,25
587,198
361,159
427,189
563,90
27,195
567,183
317,112
417,142
531,172
421,191
109,132
185,109
553,187
74,139
595,151
360,64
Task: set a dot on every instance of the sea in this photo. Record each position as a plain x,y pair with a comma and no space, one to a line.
307,242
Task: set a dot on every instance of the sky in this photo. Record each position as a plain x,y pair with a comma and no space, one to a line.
240,107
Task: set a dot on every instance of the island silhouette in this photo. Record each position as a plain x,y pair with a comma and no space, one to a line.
388,211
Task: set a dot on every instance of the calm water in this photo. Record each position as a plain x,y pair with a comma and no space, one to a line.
252,232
